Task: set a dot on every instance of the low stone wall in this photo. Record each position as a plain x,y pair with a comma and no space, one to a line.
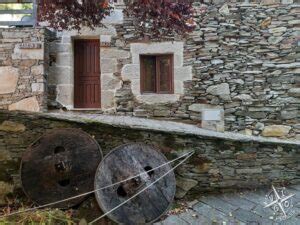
23,70
221,162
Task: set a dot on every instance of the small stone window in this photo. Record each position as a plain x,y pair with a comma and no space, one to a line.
157,74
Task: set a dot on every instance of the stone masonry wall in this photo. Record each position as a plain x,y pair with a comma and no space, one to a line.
245,60
240,69
218,164
23,71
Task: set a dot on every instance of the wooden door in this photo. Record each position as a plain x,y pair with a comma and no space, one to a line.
87,87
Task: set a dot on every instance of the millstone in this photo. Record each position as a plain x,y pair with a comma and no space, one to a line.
126,161
59,165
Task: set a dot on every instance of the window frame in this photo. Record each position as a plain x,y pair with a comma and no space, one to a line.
157,74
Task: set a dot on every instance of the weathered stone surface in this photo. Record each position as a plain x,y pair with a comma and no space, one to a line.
23,66
286,2
266,22
110,82
249,171
11,126
5,189
287,115
243,97
65,95
200,107
275,40
5,156
224,10
184,185
37,70
276,131
8,79
269,2
295,92
28,104
220,90
28,53
38,87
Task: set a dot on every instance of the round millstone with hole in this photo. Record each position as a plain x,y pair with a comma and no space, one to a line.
59,165
130,160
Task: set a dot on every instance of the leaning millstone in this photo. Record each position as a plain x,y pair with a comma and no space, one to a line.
276,131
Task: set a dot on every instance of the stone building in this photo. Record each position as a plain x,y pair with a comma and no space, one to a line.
238,71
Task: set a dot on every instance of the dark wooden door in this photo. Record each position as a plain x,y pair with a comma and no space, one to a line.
87,74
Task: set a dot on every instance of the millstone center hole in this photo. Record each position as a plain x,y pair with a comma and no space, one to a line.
121,191
64,182
59,149
147,169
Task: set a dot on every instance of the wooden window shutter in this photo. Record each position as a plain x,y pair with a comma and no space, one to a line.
157,74
148,74
165,74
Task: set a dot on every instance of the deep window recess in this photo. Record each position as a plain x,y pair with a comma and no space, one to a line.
157,74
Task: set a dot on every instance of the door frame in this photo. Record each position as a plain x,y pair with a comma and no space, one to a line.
81,38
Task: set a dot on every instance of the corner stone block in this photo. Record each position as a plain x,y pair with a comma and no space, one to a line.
110,82
109,65
28,104
64,59
65,95
8,79
131,72
107,99
115,53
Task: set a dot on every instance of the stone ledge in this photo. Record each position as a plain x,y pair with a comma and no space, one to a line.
161,126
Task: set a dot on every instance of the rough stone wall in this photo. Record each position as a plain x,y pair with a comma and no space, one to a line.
245,60
245,69
218,164
23,71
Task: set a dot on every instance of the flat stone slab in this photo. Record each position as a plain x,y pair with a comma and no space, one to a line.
235,208
161,126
